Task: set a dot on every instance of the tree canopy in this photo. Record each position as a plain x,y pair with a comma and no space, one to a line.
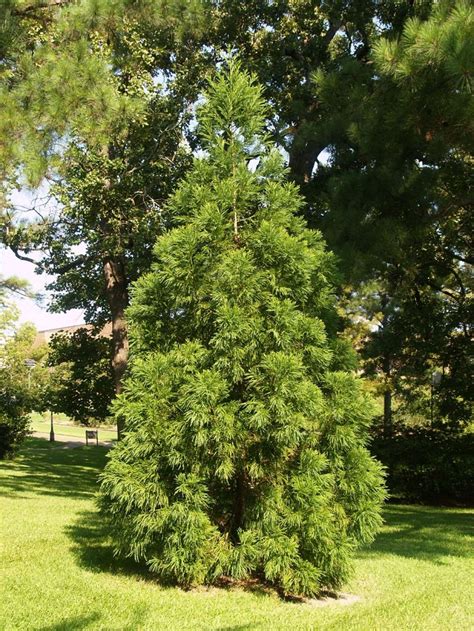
370,102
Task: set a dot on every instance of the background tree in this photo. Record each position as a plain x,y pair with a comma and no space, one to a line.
396,201
372,104
244,452
23,378
98,96
285,43
81,381
14,286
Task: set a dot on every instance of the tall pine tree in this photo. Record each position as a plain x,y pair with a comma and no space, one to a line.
244,453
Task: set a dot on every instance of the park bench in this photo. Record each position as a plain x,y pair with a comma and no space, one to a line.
92,433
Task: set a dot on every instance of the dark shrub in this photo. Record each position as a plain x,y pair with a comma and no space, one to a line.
14,426
430,466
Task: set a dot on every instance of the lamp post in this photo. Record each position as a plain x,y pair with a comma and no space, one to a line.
51,432
30,363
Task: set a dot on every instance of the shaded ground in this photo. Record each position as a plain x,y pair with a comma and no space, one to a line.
71,441
46,468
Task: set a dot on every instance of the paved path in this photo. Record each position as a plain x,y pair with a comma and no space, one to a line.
67,440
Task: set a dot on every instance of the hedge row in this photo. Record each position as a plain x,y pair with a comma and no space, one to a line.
428,466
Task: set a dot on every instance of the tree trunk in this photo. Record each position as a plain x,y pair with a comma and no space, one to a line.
239,506
117,298
387,370
305,145
301,166
302,158
387,413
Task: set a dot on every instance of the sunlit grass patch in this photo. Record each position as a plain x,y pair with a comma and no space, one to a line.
59,571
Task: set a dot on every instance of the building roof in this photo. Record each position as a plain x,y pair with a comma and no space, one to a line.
43,337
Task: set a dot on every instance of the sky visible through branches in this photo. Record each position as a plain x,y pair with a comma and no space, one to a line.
31,311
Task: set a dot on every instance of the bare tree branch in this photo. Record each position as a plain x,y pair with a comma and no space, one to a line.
23,257
331,32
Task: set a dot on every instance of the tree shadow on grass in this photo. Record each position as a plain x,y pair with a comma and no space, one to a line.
75,623
53,469
93,550
424,533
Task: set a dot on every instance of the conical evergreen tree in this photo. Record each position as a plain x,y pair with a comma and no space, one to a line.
244,452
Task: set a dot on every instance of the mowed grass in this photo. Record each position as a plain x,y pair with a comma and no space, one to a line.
59,572
64,427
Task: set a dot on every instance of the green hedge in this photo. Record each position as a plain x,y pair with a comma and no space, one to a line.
428,466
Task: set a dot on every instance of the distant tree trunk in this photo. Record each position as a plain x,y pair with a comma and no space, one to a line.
116,288
387,369
302,157
387,402
301,165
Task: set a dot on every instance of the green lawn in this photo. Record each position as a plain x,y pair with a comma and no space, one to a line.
58,570
64,427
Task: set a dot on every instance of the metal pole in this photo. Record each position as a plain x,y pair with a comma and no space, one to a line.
51,433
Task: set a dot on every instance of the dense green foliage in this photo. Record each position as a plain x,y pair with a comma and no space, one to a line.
426,465
21,385
95,95
371,101
81,383
12,286
395,202
245,444
14,424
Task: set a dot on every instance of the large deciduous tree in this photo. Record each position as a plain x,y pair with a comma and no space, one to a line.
245,444
373,104
96,95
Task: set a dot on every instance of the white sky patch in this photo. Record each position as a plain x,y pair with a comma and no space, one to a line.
29,310
10,265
